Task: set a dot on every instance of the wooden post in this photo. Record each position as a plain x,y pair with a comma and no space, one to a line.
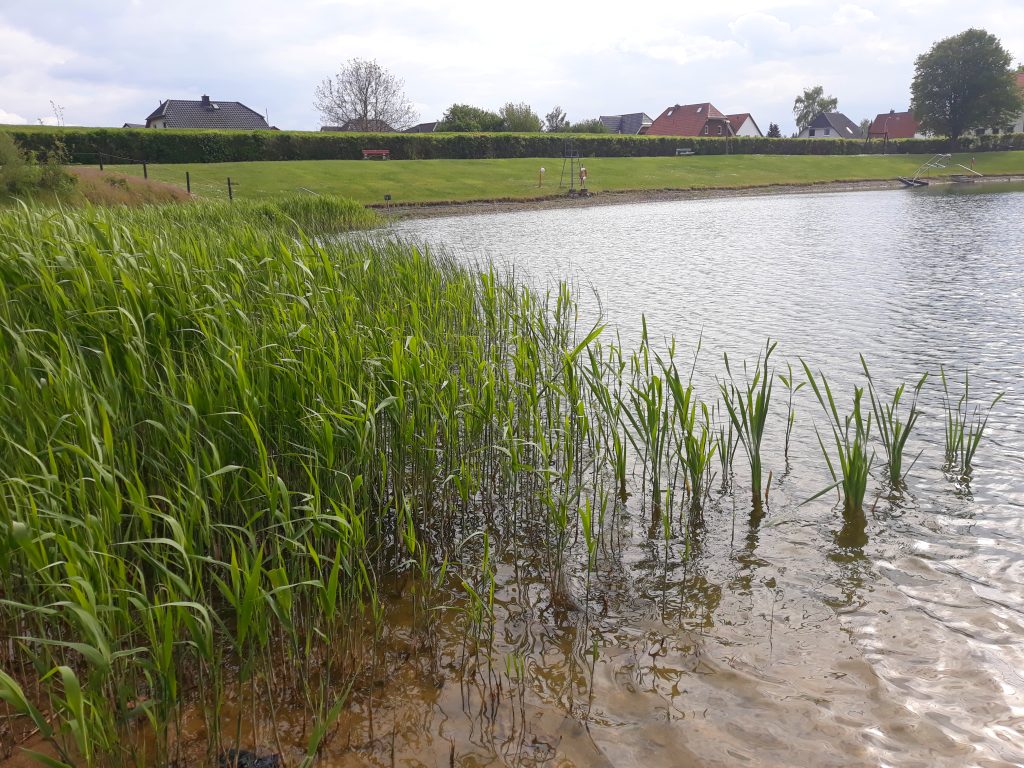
188,183
145,171
101,161
231,195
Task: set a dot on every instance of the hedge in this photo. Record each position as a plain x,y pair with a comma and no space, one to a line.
87,145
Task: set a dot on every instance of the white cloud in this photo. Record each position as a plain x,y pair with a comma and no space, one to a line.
10,118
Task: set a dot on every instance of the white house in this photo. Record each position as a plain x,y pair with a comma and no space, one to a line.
743,125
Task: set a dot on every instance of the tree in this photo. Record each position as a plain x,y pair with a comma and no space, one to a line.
810,104
364,96
593,125
773,131
467,118
555,120
964,82
519,117
865,126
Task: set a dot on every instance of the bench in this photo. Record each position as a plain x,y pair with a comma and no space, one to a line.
682,151
383,154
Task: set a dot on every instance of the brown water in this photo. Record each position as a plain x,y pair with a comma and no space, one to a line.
796,641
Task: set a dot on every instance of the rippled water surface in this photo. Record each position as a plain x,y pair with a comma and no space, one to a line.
780,644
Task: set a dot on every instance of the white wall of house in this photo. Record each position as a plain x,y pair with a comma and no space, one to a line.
158,123
819,133
749,128
1017,127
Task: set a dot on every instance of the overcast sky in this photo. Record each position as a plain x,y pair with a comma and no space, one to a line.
107,62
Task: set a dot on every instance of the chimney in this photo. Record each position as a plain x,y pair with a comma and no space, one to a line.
206,101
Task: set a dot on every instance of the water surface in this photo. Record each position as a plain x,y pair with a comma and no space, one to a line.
780,644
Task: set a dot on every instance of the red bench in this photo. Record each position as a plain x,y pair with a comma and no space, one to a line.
383,154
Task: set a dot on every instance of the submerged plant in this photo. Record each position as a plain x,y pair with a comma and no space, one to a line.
747,407
893,431
850,434
963,430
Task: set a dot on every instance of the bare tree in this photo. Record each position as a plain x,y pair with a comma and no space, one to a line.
364,96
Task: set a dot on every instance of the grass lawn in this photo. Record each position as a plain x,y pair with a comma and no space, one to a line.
417,181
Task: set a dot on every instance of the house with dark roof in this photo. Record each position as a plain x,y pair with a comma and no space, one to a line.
633,124
422,128
895,125
360,125
205,113
691,120
831,125
743,125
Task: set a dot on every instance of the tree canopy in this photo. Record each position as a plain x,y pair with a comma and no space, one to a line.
556,120
810,104
773,131
964,82
519,117
363,96
467,118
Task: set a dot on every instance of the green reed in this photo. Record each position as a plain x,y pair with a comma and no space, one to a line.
747,406
893,431
851,435
964,427
792,387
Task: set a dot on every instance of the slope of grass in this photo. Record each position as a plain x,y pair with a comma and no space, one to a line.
421,181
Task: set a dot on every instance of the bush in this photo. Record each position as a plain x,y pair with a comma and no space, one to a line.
118,145
21,173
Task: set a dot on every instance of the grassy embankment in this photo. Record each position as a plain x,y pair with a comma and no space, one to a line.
423,181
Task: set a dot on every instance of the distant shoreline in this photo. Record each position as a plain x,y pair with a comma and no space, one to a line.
507,205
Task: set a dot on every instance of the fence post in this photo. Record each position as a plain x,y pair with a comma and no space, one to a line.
145,171
188,183
101,161
231,195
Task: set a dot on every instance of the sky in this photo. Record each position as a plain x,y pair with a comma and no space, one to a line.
107,62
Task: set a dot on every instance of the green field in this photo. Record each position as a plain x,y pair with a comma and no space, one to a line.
421,181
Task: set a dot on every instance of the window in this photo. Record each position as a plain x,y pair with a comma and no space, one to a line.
719,130
826,131
811,133
705,130
669,113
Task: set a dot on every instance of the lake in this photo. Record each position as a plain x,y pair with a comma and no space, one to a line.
777,643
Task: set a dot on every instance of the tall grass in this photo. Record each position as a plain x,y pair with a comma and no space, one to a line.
892,429
964,427
219,440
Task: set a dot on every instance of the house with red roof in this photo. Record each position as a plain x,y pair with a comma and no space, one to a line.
743,125
691,120
895,125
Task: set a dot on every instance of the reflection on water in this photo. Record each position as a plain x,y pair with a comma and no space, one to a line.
888,638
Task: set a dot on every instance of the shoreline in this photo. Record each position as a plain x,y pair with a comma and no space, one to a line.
441,209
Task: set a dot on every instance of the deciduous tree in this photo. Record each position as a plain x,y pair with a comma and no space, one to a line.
467,118
964,82
810,104
363,96
519,117
555,120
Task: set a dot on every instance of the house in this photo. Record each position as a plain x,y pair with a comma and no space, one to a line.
134,125
223,115
633,124
364,125
743,125
1018,125
895,125
832,125
691,120
422,128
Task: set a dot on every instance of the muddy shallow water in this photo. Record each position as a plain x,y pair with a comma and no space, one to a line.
793,641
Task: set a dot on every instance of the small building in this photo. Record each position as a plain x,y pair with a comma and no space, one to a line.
691,120
832,125
422,128
895,125
205,113
360,125
743,125
134,125
632,124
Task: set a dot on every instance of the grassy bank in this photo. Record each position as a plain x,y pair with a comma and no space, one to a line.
421,181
